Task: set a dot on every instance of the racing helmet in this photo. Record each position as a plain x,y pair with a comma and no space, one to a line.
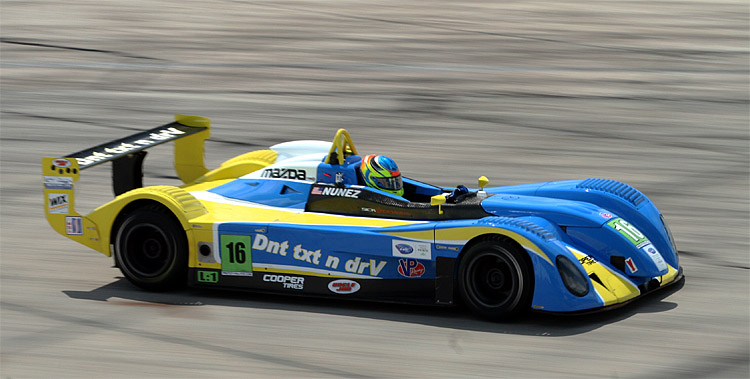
382,173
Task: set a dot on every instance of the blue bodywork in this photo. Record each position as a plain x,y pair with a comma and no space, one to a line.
554,219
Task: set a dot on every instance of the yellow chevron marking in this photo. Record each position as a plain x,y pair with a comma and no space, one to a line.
616,289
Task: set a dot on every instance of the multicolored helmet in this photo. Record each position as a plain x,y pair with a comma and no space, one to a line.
382,173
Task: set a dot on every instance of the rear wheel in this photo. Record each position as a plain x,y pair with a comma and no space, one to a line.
151,249
495,280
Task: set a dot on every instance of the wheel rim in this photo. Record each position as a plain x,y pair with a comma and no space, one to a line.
493,279
147,250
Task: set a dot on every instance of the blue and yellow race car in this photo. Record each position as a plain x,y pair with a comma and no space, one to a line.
298,219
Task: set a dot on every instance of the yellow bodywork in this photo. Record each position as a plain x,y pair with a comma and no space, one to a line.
188,152
61,173
616,288
196,217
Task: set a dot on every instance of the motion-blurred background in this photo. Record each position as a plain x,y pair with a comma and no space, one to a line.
653,93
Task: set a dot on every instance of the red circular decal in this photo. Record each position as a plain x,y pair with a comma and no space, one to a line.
61,163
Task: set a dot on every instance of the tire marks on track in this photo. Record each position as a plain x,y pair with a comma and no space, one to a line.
365,67
82,49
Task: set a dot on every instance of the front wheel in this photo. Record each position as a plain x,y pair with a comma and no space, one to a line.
151,249
495,280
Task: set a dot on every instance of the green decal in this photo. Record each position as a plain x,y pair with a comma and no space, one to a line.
629,231
208,276
236,255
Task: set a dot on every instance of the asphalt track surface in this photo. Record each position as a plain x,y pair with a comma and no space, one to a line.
652,93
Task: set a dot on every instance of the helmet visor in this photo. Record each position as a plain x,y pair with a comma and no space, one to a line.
391,184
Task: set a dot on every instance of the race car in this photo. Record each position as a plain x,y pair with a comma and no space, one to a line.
297,218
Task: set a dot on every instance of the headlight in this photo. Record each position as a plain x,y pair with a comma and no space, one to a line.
669,233
574,280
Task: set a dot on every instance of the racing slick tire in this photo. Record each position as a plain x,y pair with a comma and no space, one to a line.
151,249
495,280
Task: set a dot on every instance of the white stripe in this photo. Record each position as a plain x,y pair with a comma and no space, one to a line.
217,252
345,220
216,198
546,259
396,236
451,242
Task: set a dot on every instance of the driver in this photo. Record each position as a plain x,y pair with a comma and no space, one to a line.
382,173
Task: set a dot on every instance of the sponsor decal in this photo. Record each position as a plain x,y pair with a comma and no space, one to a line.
606,215
454,248
588,260
631,265
73,225
629,231
236,255
61,163
358,265
262,243
410,268
404,248
208,277
106,153
655,257
336,191
355,265
411,249
292,282
58,182
370,210
394,212
339,178
58,203
284,173
343,286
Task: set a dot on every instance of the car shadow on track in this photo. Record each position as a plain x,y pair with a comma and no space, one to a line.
532,324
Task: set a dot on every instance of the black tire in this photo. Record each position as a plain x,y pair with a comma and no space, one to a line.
495,280
151,249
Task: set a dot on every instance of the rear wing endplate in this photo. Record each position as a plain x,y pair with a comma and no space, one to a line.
126,154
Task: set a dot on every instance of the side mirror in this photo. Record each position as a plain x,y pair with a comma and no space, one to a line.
438,200
483,181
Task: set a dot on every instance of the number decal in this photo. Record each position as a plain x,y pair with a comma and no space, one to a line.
236,257
629,231
236,252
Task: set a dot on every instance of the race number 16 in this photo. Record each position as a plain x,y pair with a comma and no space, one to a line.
235,253
629,231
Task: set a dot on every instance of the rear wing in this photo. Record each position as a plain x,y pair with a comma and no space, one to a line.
127,155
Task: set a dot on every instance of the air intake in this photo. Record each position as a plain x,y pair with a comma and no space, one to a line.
523,224
614,187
